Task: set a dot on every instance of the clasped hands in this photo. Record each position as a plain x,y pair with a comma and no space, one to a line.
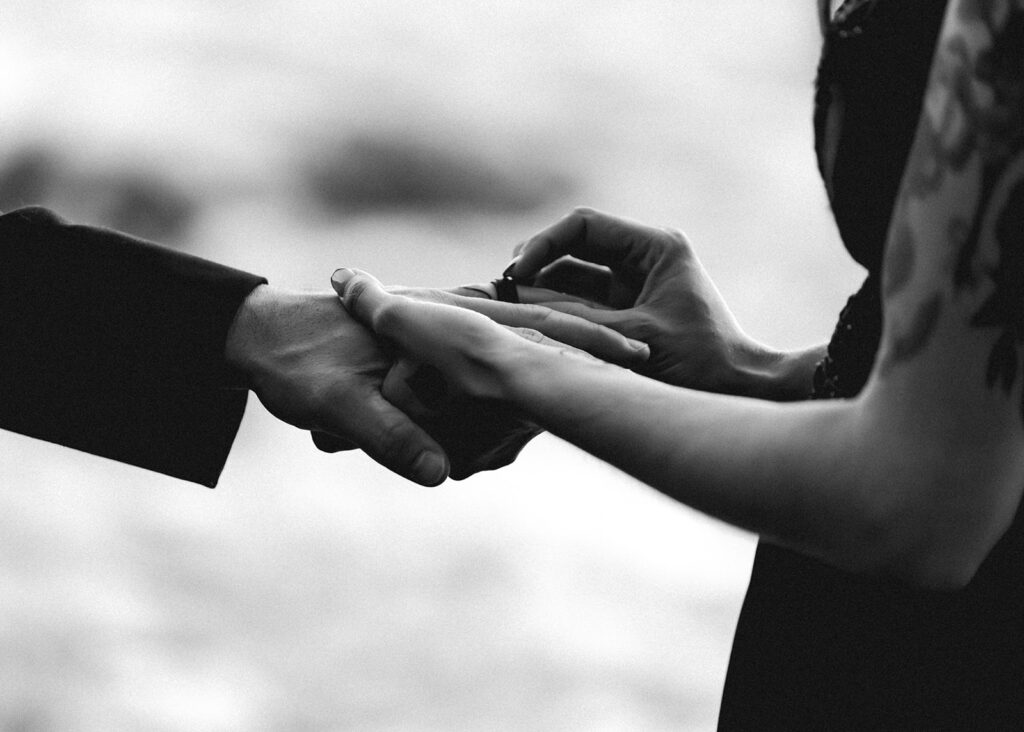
409,376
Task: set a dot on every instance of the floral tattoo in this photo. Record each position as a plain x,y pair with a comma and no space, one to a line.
976,123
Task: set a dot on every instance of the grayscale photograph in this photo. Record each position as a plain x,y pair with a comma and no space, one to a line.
584,366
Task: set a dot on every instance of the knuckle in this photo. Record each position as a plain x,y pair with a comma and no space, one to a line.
531,334
639,326
386,316
597,330
381,319
537,315
679,245
677,237
647,329
354,292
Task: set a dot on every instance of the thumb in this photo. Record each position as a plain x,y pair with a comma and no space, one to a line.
390,437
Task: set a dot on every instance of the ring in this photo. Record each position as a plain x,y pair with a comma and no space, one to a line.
485,293
506,290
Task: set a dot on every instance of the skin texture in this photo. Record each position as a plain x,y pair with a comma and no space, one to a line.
919,476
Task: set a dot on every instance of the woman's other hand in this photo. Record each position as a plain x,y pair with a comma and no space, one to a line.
648,284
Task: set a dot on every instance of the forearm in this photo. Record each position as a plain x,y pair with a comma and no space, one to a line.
765,467
843,481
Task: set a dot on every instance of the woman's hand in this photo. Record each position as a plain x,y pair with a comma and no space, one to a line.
647,283
465,411
472,352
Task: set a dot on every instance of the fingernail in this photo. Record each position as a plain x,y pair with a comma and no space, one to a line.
642,349
511,266
430,468
340,278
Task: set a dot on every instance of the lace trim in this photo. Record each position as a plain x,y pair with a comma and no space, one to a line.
851,353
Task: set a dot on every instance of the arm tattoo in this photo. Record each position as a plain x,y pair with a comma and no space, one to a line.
973,121
919,331
899,262
1004,308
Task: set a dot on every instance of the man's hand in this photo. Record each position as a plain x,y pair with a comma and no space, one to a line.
315,367
648,284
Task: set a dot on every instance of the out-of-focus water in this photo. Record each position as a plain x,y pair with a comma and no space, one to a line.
312,591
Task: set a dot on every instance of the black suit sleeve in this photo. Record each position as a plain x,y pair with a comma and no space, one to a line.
115,346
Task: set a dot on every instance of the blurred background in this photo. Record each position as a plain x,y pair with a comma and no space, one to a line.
419,141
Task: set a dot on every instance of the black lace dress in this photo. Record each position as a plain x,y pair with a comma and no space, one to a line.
818,648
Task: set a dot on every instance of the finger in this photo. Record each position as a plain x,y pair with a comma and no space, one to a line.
485,291
326,442
480,291
606,346
592,282
433,329
529,295
576,277
457,295
363,296
631,323
594,237
385,313
605,317
388,435
573,323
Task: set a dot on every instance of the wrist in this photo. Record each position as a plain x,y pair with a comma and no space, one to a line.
542,381
241,345
765,373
